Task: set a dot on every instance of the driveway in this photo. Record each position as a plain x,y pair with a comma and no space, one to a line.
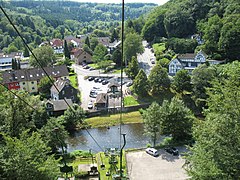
142,166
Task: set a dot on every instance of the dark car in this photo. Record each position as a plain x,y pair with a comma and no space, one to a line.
96,79
105,82
172,150
91,78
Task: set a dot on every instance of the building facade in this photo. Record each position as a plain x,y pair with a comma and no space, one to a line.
28,79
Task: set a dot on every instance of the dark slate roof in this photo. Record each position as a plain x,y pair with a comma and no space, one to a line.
186,56
34,74
60,105
60,85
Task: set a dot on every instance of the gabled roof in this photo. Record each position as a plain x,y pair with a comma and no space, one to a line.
101,98
60,105
56,42
60,85
34,74
113,83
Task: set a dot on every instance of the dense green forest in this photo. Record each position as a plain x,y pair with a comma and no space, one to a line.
217,21
43,20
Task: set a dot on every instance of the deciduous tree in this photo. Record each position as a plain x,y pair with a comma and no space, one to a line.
140,85
132,69
152,121
158,79
45,56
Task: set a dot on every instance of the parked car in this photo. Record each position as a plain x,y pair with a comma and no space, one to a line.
96,88
91,78
152,151
172,150
93,95
96,80
90,105
129,84
91,68
105,82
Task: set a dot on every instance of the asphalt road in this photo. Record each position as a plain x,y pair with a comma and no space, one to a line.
142,166
144,60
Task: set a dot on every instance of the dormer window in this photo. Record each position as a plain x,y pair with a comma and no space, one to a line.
22,77
31,75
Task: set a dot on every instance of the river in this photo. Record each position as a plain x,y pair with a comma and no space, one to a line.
108,138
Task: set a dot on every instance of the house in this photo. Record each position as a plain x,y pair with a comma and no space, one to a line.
80,56
187,61
57,107
104,41
77,42
112,46
6,60
57,45
64,90
101,101
28,79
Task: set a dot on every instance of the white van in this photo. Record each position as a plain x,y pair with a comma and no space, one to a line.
152,152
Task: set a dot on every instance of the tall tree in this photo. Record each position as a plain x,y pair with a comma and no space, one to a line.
201,77
26,52
176,119
45,56
182,81
215,155
158,79
73,117
132,45
99,53
117,57
151,120
87,42
132,69
66,50
140,85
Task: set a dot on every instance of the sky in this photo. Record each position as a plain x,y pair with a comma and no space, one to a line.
159,2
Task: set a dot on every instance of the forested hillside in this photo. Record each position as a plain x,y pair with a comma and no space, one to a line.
217,21
42,20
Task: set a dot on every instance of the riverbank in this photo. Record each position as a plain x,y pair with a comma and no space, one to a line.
114,119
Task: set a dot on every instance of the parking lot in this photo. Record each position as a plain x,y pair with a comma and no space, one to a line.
92,88
142,166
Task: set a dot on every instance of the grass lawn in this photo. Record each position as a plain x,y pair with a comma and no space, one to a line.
110,120
130,101
102,159
73,81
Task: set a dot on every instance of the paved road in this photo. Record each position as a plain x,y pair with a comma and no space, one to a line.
142,166
144,60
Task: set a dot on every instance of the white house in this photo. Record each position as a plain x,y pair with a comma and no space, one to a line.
186,61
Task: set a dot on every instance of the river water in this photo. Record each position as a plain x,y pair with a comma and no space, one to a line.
109,138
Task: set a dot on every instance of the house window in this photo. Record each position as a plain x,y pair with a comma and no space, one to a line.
32,82
63,92
85,56
189,64
23,83
72,97
33,88
17,84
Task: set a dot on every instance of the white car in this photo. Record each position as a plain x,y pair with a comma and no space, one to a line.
152,151
90,105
